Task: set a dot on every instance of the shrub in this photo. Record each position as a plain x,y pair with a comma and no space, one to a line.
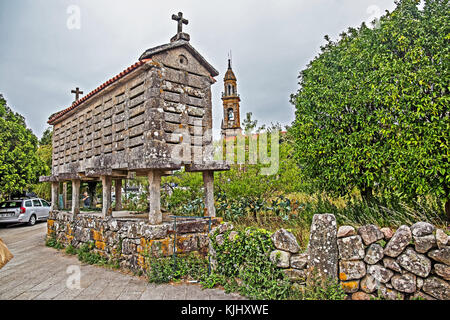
245,263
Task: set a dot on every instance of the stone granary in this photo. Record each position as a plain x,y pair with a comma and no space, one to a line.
151,119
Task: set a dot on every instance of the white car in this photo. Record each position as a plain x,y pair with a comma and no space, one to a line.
26,210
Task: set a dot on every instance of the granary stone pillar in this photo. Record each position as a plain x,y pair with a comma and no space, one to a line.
106,204
118,192
64,195
208,181
76,197
55,189
154,181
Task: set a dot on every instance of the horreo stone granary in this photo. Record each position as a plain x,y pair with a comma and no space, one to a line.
151,119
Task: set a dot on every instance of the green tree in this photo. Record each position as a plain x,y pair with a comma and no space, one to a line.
46,137
249,124
19,163
372,108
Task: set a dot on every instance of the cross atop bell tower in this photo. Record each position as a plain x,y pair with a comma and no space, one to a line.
180,34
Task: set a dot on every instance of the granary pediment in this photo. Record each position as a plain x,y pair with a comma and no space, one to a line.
171,54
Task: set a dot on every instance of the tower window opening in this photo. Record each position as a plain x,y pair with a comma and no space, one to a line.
230,115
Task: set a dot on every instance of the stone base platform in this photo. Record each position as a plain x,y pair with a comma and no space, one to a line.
130,239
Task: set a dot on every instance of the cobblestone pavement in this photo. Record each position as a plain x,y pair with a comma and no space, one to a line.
40,273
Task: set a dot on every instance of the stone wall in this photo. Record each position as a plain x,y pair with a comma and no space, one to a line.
409,263
369,262
412,262
130,240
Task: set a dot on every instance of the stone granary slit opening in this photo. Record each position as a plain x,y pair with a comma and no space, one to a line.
152,119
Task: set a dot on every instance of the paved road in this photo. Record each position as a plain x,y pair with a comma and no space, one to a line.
40,273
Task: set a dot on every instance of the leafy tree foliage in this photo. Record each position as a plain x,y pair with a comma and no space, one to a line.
46,139
19,164
372,108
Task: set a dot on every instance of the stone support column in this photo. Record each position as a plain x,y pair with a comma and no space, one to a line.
208,181
64,195
322,249
106,203
55,189
118,191
76,197
154,180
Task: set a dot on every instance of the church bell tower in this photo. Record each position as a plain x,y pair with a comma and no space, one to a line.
231,123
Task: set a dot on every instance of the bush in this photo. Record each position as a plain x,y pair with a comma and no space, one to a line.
318,288
245,263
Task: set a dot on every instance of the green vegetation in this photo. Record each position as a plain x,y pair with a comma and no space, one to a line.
20,165
163,270
318,288
243,260
372,108
85,253
243,266
52,242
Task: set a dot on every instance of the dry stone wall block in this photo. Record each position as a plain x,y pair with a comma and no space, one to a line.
295,275
441,238
441,255
361,296
425,243
280,258
346,231
437,288
421,229
415,263
374,254
369,284
388,233
286,241
443,271
392,264
401,238
350,286
390,294
351,270
299,261
380,273
322,248
370,234
351,248
404,283
422,295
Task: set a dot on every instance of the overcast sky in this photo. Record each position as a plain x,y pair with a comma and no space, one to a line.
42,59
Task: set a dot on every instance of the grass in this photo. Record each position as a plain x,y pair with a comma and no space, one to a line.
348,211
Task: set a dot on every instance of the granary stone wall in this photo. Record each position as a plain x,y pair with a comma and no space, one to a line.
130,240
412,262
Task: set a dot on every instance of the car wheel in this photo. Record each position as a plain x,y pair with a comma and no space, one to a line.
32,221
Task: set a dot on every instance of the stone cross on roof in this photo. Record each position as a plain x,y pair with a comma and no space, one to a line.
180,20
180,34
77,93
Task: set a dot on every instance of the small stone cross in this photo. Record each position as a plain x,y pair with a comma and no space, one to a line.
180,20
77,93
